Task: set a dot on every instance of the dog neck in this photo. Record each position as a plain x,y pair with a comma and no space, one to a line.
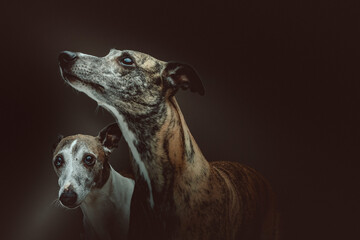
163,149
106,210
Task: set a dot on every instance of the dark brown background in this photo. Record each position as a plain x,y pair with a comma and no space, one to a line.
282,86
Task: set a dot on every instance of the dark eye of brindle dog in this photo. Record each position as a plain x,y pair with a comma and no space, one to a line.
126,61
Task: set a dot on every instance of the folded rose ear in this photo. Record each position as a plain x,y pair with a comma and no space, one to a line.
110,136
178,75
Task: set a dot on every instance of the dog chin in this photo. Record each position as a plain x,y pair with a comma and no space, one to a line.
76,81
74,206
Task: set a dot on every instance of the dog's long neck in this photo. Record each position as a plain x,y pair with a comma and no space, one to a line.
163,149
175,152
106,210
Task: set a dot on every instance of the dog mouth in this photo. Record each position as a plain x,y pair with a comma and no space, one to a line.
73,79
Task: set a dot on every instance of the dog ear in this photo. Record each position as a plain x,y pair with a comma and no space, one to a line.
178,75
59,138
110,136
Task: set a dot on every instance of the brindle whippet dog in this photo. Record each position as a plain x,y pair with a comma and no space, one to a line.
178,194
86,179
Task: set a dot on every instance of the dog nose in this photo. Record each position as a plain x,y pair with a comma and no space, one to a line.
67,57
68,197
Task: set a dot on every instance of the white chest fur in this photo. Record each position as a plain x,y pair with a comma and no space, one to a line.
107,210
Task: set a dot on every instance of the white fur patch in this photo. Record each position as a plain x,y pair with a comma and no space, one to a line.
131,140
69,167
72,145
107,150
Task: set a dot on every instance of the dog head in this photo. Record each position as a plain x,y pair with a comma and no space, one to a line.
133,82
81,163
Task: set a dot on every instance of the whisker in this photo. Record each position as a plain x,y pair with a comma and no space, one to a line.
56,203
97,109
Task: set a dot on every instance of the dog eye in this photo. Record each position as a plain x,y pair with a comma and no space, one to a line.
89,160
126,61
59,161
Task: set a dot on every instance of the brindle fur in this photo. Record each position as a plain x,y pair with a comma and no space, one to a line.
193,199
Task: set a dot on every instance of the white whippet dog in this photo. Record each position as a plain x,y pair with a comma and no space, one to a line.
86,179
